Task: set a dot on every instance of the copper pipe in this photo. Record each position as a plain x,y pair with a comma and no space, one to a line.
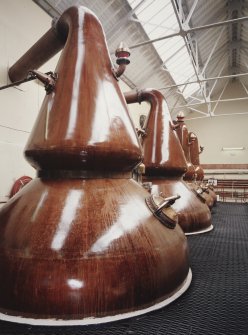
153,96
49,81
49,45
119,70
43,50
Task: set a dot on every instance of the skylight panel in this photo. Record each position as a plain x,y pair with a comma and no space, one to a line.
134,3
158,19
167,48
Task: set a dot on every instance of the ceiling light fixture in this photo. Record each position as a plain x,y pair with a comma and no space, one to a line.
232,149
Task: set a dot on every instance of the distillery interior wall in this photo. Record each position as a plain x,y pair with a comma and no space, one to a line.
227,130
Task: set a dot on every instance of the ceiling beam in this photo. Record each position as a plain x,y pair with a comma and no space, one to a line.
216,115
186,22
189,49
220,96
212,51
184,32
216,80
211,101
205,79
244,87
234,11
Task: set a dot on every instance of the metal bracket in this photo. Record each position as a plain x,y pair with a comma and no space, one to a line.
162,210
49,80
200,194
32,75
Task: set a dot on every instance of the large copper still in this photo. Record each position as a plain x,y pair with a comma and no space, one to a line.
193,172
165,163
78,244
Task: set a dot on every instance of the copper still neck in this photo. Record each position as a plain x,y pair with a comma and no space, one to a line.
183,136
194,156
163,154
84,123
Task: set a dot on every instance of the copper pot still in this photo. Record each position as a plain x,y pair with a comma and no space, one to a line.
79,244
195,151
190,147
165,163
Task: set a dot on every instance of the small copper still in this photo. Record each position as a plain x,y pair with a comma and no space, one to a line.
193,172
79,245
183,135
165,163
195,152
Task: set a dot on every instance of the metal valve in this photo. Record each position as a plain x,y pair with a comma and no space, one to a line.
204,188
162,210
122,54
138,172
141,169
147,186
141,132
200,193
49,80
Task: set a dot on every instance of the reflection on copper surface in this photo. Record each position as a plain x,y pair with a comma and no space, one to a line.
165,162
93,250
40,205
77,76
75,284
127,220
69,212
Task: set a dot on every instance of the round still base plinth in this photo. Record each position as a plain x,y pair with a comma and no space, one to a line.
201,231
92,320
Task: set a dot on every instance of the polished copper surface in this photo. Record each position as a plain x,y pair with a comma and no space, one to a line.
195,151
203,192
187,141
165,163
80,242
194,156
80,248
44,49
183,135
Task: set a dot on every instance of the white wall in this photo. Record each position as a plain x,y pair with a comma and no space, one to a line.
136,110
22,23
224,131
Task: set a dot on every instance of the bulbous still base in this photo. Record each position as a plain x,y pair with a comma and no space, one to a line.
194,216
92,320
214,196
86,251
206,195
